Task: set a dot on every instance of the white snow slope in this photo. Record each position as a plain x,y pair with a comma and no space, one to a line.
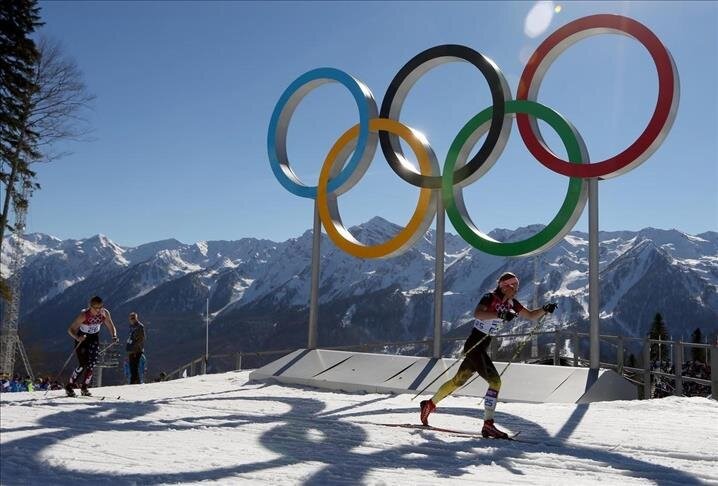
223,429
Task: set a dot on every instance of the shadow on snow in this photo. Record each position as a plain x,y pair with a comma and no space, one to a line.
305,433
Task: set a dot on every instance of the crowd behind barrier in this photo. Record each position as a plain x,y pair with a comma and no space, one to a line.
17,384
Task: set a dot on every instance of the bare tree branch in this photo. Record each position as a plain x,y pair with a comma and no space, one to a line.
54,112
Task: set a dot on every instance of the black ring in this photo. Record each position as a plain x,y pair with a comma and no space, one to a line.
403,82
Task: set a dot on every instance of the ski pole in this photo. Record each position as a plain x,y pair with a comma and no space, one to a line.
105,348
516,353
463,355
65,365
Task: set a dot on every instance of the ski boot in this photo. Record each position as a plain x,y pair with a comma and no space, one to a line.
69,389
490,430
426,407
85,392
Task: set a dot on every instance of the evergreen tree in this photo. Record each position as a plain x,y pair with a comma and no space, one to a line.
18,83
698,354
659,330
42,96
18,55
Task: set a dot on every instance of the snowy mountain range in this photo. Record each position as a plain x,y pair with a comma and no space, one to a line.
258,290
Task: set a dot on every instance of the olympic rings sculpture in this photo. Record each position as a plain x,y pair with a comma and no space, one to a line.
349,158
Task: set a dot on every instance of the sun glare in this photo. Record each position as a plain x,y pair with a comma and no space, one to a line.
539,18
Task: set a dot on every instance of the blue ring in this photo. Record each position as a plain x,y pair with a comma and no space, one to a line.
360,96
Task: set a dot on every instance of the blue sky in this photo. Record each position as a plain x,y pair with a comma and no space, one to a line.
185,91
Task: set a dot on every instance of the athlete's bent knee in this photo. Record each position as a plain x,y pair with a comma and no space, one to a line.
461,377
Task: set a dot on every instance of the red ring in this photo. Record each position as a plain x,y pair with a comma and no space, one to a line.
620,163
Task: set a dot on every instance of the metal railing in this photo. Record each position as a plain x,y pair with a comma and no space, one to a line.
645,377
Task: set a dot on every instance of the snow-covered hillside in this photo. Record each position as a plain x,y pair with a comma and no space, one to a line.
222,429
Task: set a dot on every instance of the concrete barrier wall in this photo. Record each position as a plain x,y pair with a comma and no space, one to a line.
382,373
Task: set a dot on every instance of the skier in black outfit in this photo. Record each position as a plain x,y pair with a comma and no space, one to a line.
85,330
493,308
135,347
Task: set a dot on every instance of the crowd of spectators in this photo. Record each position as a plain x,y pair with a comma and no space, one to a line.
17,384
664,386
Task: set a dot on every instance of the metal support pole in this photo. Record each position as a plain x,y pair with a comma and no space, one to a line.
206,339
238,366
575,349
678,391
714,367
23,357
98,376
660,351
593,289
647,368
438,276
534,339
670,354
619,355
557,348
314,290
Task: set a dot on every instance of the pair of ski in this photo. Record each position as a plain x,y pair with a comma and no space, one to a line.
477,435
460,433
87,397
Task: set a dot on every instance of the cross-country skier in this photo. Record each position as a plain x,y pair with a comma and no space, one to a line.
85,330
493,308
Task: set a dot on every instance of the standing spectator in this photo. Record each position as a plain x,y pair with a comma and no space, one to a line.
85,329
135,347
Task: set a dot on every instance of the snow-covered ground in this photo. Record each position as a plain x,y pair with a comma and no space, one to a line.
223,429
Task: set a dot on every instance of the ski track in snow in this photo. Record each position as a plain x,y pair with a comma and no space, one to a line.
223,429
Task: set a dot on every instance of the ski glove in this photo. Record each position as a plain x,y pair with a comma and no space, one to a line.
506,315
550,307
115,340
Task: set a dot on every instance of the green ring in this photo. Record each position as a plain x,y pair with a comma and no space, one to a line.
566,217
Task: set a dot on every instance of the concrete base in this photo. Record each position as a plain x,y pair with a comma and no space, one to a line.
383,373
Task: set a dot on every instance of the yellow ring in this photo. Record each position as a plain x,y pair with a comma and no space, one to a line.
425,207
